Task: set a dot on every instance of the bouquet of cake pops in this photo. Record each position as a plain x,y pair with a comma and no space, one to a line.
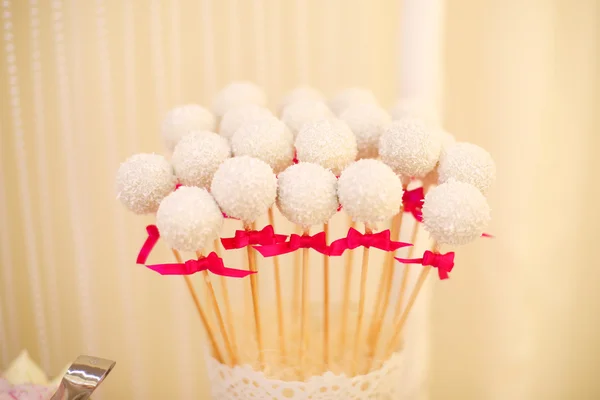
298,199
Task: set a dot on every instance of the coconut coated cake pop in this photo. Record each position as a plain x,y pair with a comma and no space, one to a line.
367,121
240,116
197,156
238,94
301,112
370,191
143,180
468,163
455,213
307,194
189,218
329,143
185,119
268,140
244,187
410,148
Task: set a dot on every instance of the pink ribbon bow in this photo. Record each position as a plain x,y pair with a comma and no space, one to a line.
356,239
443,262
264,237
153,236
317,242
213,263
412,202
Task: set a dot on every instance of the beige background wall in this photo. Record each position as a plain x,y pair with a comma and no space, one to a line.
90,81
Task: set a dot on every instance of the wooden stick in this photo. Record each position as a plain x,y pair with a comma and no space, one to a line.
255,302
326,302
406,272
385,282
220,320
228,312
346,289
305,317
297,282
278,297
396,336
385,291
361,302
201,313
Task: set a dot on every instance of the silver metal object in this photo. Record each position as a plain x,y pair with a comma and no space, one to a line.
82,378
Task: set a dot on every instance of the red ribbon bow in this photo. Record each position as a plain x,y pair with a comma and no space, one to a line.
212,263
356,239
153,236
443,262
412,202
317,242
264,237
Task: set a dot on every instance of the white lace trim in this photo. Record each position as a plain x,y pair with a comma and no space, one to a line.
390,382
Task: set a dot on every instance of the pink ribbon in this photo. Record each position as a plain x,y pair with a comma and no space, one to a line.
317,242
264,237
412,202
443,262
153,236
356,239
213,263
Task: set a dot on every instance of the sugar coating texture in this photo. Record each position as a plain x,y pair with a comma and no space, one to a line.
301,93
307,194
189,218
455,213
268,140
143,180
237,117
347,97
329,143
185,119
197,156
467,163
410,148
244,187
301,112
369,191
238,94
367,121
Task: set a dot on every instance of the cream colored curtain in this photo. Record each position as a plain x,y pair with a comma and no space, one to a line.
84,84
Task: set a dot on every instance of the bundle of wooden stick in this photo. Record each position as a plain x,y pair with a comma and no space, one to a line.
344,165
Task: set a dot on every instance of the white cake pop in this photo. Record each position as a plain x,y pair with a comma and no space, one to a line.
184,119
301,93
239,116
410,148
197,156
455,213
301,112
244,187
468,163
268,140
143,180
367,121
238,94
370,191
448,140
189,218
329,143
307,194
347,97
414,108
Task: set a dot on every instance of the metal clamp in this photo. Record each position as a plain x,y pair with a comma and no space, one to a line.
82,378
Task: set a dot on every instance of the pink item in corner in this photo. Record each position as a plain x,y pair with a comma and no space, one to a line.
23,392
